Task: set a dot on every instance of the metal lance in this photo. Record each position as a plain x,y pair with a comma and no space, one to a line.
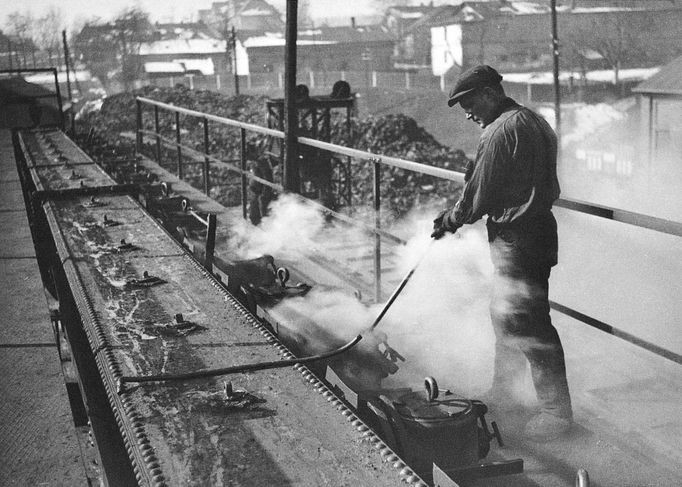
400,288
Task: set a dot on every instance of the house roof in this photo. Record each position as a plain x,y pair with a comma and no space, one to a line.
668,81
636,4
476,11
410,12
324,35
435,16
183,46
194,30
347,34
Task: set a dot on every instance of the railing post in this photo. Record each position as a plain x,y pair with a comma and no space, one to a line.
138,127
158,137
242,165
210,241
56,87
207,175
177,140
376,172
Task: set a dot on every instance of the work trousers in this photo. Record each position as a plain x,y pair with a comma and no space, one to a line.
523,258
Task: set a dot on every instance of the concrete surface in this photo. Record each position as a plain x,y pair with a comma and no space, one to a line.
38,439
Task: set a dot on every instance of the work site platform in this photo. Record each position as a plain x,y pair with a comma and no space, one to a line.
38,438
626,399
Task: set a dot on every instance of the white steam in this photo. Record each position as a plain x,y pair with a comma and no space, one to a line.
440,323
288,228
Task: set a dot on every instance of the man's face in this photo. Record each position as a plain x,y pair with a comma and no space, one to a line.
479,107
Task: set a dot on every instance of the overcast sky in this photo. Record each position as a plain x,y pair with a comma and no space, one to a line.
75,11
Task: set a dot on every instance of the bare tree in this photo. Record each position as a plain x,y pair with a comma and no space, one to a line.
132,28
48,34
305,20
112,49
222,23
617,38
93,46
21,25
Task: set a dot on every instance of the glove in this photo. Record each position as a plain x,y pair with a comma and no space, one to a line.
442,224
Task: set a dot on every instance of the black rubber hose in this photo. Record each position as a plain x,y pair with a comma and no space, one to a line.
238,369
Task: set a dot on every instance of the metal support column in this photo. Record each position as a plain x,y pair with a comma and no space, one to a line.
234,62
138,127
58,91
207,165
291,177
376,173
177,140
242,165
158,137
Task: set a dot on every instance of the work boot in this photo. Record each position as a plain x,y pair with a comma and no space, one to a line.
547,427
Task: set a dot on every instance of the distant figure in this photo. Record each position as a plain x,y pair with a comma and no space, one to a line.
34,112
513,181
261,195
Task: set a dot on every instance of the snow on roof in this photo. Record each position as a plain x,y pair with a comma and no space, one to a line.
667,81
271,41
525,8
164,67
410,15
603,75
468,14
204,66
255,11
180,46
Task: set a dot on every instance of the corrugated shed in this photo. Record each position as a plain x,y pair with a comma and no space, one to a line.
667,81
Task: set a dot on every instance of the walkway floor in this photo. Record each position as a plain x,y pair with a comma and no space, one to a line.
38,439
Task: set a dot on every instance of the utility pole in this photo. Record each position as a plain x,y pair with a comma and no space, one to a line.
557,86
68,83
291,179
234,61
66,63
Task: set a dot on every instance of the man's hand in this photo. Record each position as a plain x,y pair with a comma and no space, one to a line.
440,226
438,234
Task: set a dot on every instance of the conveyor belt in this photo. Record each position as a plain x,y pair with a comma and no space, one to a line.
275,427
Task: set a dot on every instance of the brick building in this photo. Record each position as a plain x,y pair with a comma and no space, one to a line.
344,48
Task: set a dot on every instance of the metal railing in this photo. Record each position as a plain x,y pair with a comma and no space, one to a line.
377,161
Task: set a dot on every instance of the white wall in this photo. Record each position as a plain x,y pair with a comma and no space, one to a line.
242,60
446,48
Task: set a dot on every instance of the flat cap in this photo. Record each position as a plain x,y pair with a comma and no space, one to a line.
471,79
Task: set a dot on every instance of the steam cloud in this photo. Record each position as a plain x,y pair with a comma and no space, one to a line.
440,323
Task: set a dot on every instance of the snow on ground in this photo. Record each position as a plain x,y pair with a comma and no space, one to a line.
601,76
44,78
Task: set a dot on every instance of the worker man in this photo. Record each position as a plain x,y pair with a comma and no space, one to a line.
513,181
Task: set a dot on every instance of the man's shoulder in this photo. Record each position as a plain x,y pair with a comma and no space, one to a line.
516,118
